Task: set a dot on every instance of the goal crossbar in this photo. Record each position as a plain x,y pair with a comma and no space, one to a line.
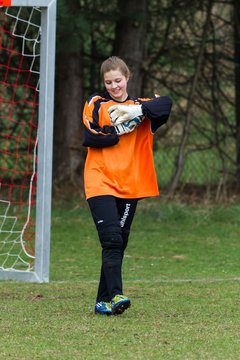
40,272
41,3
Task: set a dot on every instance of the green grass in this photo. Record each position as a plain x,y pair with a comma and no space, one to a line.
181,272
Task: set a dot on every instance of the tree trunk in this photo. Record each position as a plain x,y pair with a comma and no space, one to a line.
237,81
130,40
181,156
68,152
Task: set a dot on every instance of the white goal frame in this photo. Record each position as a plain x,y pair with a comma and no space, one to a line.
40,272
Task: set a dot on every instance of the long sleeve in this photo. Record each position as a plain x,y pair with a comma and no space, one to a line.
94,135
157,111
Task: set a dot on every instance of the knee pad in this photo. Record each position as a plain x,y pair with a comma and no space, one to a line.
111,240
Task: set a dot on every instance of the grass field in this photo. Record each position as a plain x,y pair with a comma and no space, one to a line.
181,272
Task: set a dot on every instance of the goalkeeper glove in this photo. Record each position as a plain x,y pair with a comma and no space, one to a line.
121,113
127,126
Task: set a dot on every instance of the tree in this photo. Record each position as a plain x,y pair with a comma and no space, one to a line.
236,22
182,151
68,152
130,40
175,62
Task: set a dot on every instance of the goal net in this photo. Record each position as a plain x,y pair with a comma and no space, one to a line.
20,117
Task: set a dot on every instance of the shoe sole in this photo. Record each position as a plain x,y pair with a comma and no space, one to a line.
100,313
119,309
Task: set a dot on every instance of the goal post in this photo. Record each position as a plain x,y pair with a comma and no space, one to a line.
26,137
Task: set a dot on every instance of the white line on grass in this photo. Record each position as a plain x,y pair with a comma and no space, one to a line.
149,281
190,280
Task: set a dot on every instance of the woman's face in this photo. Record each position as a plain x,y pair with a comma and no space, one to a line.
116,84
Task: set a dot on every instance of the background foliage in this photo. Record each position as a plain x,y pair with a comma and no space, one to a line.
185,49
189,50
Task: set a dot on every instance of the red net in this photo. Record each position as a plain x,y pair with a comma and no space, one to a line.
19,78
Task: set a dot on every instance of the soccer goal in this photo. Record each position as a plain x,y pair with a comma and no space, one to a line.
27,56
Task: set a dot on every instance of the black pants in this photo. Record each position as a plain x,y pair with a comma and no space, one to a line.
113,218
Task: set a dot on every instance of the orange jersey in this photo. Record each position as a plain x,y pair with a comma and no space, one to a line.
125,169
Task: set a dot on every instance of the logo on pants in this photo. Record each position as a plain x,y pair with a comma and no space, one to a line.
125,215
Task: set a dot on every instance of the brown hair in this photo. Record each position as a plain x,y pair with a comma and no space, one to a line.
114,63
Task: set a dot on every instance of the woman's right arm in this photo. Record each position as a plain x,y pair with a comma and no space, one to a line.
94,135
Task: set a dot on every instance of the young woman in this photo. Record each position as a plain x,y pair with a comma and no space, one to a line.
119,170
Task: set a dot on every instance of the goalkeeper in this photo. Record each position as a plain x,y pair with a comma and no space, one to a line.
119,170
